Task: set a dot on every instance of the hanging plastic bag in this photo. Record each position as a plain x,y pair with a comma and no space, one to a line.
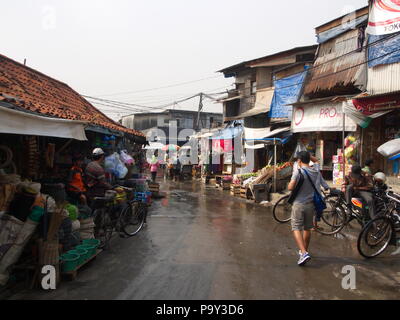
111,163
126,158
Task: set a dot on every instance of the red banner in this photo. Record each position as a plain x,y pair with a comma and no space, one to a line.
371,106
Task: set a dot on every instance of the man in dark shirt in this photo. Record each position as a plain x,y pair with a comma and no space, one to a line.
96,176
359,184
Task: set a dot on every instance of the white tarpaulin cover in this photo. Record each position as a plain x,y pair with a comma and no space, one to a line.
321,116
384,17
390,148
257,134
18,122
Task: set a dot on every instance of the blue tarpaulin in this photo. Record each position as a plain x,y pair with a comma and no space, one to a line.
383,51
228,133
287,92
344,27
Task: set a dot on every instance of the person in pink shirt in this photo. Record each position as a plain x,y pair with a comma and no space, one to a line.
154,168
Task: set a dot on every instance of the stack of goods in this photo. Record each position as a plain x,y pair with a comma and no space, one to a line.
33,157
154,187
121,196
283,171
18,225
8,187
235,190
338,177
227,182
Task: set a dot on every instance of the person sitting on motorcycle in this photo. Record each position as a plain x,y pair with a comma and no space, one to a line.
359,184
380,182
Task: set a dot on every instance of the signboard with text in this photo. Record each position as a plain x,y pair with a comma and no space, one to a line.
322,117
384,17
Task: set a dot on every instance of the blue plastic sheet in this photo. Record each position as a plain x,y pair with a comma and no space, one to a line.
384,51
287,92
344,27
228,133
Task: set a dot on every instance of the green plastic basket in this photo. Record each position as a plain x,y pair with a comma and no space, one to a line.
83,254
91,242
90,249
69,261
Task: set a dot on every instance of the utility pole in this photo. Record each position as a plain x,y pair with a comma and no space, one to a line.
199,112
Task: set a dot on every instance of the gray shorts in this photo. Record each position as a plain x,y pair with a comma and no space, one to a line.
303,216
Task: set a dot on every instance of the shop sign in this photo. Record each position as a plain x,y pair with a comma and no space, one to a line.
371,106
323,117
384,17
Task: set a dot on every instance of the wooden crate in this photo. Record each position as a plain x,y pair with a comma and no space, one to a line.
243,193
235,190
73,274
226,185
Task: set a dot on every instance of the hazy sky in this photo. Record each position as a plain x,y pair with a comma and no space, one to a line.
101,48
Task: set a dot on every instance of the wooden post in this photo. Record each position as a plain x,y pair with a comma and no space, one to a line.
276,162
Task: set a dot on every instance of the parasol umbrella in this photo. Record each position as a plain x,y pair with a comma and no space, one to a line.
171,147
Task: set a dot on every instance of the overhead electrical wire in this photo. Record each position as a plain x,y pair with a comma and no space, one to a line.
158,88
139,108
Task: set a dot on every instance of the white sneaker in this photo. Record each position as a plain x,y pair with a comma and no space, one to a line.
304,258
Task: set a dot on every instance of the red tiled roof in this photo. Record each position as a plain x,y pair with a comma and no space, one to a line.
42,94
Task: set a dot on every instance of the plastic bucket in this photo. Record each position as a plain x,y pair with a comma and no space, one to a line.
82,254
91,242
69,261
90,249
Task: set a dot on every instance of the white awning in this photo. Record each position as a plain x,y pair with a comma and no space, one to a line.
18,122
324,116
257,134
254,147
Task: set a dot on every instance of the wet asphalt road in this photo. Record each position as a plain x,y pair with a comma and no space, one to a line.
202,243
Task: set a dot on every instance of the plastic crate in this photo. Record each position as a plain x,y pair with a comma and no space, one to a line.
144,197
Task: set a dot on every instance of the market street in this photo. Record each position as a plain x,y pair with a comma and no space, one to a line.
202,243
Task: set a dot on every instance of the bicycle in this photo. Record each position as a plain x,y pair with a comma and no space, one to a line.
342,215
379,233
282,209
134,215
110,216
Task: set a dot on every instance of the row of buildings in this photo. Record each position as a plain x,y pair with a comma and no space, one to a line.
347,84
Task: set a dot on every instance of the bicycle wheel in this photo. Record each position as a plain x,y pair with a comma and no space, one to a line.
333,218
375,237
103,227
132,219
282,210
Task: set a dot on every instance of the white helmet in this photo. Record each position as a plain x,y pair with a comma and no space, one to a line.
98,152
380,176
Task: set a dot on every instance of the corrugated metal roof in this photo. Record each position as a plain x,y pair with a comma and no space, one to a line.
384,79
339,68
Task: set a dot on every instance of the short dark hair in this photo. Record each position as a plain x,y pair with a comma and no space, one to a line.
356,169
97,157
369,162
304,156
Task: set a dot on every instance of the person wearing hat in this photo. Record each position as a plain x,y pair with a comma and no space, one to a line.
75,185
96,175
357,183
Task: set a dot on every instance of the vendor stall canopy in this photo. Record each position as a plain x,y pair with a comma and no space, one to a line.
19,122
36,92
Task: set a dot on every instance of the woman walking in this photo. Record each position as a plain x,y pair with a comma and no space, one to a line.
154,168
